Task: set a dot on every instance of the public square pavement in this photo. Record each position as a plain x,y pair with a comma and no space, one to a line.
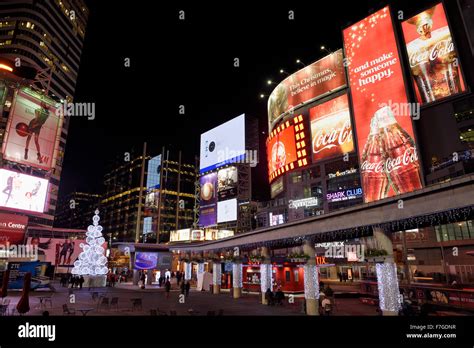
154,297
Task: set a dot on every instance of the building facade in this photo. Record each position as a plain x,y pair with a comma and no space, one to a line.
120,203
76,209
42,42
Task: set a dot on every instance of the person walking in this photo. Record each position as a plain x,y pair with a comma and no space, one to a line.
326,306
178,277
187,288
142,279
81,281
167,288
183,287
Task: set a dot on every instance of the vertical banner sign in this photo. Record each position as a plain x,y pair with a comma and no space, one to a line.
388,158
208,213
434,61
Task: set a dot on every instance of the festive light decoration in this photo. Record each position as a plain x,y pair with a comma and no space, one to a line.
237,275
216,274
387,283
311,282
266,281
92,260
432,219
200,268
187,270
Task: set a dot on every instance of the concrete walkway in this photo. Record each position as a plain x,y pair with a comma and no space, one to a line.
154,297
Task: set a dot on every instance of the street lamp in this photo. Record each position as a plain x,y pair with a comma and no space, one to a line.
298,61
323,48
269,82
284,72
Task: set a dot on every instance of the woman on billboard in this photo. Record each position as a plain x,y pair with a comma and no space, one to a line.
34,127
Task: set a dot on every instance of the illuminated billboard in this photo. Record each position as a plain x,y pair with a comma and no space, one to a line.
153,173
33,130
331,129
227,183
3,95
434,61
23,192
12,228
146,260
227,210
388,157
287,147
315,80
223,145
208,205
59,251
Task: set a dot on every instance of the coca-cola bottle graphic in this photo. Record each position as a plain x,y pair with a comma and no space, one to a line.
433,59
399,149
374,178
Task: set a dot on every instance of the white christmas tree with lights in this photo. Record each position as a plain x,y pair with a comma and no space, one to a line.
92,262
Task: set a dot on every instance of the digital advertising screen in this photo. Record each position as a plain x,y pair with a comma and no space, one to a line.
58,251
331,129
33,130
315,80
276,187
223,145
434,62
148,225
227,183
3,94
208,206
12,228
146,260
281,149
227,210
389,163
153,173
23,192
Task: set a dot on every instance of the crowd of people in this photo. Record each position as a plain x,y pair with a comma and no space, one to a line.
274,298
71,280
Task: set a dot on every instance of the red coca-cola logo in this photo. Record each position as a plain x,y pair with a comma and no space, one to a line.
391,164
441,49
323,140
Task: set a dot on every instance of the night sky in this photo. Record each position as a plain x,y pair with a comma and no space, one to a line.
190,63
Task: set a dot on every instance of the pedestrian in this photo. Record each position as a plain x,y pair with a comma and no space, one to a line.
178,277
279,296
167,288
269,297
183,288
326,305
188,286
143,278
71,281
160,281
112,278
339,274
81,281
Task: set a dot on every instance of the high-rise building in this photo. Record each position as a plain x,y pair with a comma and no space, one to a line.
163,174
47,35
76,209
40,46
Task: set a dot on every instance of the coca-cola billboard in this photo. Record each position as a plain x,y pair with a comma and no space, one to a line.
331,128
313,81
281,150
389,164
434,61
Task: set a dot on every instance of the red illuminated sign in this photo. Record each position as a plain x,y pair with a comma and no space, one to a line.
434,61
286,147
331,128
388,158
313,81
12,228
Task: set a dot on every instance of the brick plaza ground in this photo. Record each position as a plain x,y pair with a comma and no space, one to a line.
153,297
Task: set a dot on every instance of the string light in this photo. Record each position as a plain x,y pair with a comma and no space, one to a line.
92,260
266,281
216,274
237,275
387,283
187,270
311,282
